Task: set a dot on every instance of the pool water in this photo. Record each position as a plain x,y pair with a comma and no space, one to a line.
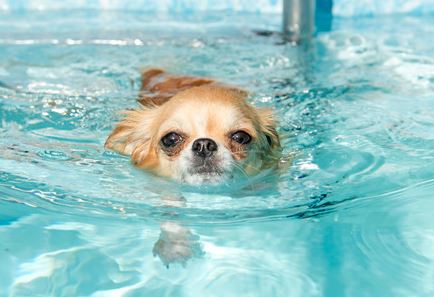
352,215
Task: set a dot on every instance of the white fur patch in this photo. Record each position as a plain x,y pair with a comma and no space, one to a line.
224,163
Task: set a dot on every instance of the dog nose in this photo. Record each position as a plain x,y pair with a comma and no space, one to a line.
204,147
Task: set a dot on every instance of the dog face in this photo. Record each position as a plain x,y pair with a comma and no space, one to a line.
203,134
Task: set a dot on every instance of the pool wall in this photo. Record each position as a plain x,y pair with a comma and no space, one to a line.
345,8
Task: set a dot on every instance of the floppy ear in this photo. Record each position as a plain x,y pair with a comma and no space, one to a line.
148,97
267,124
147,100
158,86
133,135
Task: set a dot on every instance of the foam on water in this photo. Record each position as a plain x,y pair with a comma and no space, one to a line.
351,215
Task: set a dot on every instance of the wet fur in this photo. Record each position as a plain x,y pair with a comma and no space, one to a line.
164,96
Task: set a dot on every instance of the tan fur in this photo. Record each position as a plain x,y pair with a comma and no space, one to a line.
195,108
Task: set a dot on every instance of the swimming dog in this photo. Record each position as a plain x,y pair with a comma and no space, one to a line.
195,130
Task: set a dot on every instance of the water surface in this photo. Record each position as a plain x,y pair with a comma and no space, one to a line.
351,215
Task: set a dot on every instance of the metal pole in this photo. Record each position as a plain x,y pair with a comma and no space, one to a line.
298,19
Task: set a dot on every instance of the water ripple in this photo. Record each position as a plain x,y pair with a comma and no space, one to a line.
355,116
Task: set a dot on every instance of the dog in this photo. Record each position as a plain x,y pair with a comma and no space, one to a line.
195,130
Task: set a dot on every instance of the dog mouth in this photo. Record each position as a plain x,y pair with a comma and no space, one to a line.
205,171
206,168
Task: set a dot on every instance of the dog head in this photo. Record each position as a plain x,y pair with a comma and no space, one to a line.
203,134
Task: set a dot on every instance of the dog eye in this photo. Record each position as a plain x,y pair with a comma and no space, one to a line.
171,139
241,137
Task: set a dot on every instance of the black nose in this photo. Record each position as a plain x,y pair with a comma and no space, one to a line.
204,147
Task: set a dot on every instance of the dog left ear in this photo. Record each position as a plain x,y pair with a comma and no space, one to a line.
268,126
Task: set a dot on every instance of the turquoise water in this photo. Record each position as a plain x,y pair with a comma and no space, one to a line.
351,216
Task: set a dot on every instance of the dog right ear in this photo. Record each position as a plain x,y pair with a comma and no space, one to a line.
132,136
149,96
151,101
158,86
